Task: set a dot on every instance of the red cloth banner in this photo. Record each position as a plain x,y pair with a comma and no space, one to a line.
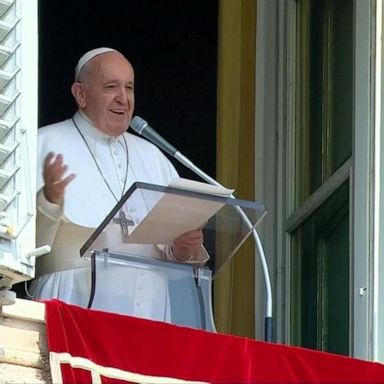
89,346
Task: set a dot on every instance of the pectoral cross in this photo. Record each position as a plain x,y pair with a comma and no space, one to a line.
124,223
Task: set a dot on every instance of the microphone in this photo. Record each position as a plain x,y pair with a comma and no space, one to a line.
141,127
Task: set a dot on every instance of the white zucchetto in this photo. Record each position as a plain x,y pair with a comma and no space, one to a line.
89,56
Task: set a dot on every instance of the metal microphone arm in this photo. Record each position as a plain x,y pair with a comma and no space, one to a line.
140,126
268,321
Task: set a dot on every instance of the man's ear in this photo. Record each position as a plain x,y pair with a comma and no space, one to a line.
78,93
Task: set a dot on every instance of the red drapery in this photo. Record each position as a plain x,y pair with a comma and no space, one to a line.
150,351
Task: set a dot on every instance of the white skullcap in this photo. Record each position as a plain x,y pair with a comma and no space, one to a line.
89,56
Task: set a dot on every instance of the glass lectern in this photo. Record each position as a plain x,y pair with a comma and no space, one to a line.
127,252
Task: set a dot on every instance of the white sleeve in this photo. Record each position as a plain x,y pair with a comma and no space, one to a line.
48,220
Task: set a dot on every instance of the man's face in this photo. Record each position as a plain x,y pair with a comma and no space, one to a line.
108,93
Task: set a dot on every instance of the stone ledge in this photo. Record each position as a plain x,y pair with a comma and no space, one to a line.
23,343
25,310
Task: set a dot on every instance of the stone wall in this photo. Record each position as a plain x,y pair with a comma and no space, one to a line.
23,343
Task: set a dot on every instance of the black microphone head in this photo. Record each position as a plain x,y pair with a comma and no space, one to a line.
138,124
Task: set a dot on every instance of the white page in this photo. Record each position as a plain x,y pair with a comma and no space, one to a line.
175,215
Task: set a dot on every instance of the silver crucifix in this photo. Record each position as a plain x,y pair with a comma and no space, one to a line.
124,223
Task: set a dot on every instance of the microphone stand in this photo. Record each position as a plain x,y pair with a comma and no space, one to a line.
140,126
268,320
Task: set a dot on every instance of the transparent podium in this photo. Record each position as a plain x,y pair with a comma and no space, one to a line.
133,269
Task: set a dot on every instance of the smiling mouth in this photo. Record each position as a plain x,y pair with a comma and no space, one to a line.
118,111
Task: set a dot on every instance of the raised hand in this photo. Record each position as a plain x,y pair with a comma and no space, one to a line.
54,180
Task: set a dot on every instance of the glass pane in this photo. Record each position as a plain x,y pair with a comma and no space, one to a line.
335,279
341,55
324,91
320,277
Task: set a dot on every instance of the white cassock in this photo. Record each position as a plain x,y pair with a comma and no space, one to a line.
62,273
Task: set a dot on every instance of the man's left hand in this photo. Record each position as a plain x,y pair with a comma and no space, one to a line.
187,246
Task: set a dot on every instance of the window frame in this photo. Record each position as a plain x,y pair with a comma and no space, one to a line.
363,169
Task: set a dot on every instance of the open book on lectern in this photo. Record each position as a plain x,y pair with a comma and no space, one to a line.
150,214
183,212
154,214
